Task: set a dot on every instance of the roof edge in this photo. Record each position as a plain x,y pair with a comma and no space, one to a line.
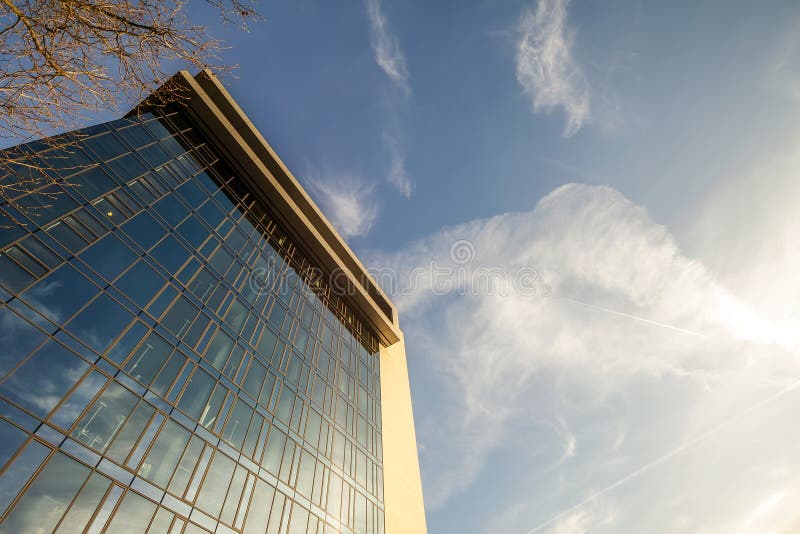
226,124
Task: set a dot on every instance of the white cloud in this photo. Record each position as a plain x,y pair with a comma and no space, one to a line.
397,175
546,68
386,48
348,202
500,360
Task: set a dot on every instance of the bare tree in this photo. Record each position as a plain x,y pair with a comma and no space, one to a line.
62,60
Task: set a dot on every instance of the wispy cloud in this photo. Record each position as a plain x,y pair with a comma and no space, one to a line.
546,68
397,175
348,202
647,301
386,47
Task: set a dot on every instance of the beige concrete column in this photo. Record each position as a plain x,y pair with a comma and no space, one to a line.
402,485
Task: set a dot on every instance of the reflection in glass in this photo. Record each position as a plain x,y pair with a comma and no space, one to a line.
165,453
140,283
11,438
20,471
133,515
237,424
104,419
146,361
212,494
17,337
45,501
100,322
59,295
85,504
43,380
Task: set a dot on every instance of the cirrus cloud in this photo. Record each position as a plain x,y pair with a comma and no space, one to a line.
546,67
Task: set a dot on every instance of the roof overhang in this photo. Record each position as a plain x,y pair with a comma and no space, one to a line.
226,125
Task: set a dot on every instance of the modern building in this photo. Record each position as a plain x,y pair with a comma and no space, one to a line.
187,345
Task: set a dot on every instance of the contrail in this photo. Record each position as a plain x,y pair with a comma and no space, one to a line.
674,452
635,318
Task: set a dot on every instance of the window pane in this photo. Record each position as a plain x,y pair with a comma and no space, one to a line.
43,380
11,439
144,230
85,504
209,414
194,232
20,471
237,424
92,183
104,419
67,237
215,485
163,457
129,434
170,254
17,337
61,294
101,322
46,205
147,360
186,466
141,283
133,514
179,317
260,506
78,400
12,276
48,497
109,257
218,349
127,167
193,400
254,379
171,209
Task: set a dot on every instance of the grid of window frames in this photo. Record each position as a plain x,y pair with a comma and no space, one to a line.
169,360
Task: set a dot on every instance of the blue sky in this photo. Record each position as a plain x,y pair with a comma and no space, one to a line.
642,159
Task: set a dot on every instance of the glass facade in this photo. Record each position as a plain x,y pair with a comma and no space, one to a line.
170,361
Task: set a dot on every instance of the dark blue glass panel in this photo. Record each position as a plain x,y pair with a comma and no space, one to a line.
109,257
171,209
20,472
105,147
126,344
144,230
170,254
100,323
193,232
136,136
17,339
12,276
11,439
127,167
61,294
140,283
9,229
46,205
78,400
192,194
92,183
43,380
154,155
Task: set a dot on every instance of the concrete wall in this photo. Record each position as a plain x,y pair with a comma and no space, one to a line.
402,485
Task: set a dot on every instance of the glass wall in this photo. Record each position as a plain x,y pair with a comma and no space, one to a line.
169,360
